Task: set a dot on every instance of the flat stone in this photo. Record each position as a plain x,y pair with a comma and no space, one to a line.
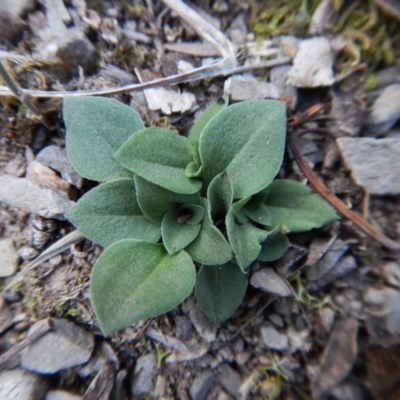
249,88
143,375
312,65
9,258
40,173
374,163
279,77
34,197
385,111
273,339
17,7
204,327
27,252
17,384
183,328
391,272
62,395
57,159
201,385
229,379
65,346
270,282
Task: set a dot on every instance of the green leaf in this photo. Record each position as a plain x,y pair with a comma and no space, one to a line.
160,156
244,237
293,206
155,201
210,246
95,128
206,117
246,140
193,212
110,212
220,196
193,171
220,290
259,215
274,246
177,235
134,280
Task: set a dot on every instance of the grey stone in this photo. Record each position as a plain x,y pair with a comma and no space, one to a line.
270,282
348,391
279,76
383,314
229,379
273,339
143,375
347,115
57,159
17,7
11,27
248,88
6,315
183,328
201,385
102,353
312,65
9,258
27,252
391,272
65,346
204,327
385,111
277,320
17,384
34,197
62,395
373,163
327,318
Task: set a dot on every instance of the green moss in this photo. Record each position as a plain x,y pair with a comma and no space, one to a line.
274,18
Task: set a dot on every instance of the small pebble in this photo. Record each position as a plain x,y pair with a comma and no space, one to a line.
273,339
9,258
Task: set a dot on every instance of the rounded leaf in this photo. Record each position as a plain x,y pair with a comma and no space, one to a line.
134,280
246,140
294,206
96,127
220,290
160,156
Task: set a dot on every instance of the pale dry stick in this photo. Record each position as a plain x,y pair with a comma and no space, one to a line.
337,204
219,68
39,332
58,247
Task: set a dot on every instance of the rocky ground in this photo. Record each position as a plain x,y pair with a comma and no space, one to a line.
335,332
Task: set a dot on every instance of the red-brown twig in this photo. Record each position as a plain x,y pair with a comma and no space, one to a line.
335,202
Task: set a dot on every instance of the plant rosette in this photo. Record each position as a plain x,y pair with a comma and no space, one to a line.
177,214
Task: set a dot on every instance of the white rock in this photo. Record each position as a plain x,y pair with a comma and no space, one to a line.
143,375
323,18
374,163
385,111
17,7
17,384
65,346
33,197
169,100
38,172
274,340
312,65
270,282
391,272
247,88
8,258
